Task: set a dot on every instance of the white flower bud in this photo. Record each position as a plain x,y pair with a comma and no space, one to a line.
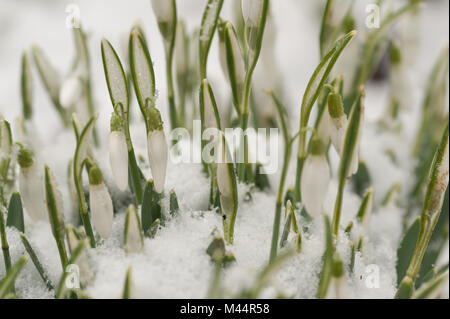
31,188
339,127
118,159
133,236
315,178
100,203
355,158
70,91
157,154
338,287
163,10
83,259
442,179
223,59
238,61
181,49
326,128
251,11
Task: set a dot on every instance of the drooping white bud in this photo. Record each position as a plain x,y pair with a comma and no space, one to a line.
315,178
118,159
251,11
31,188
100,203
70,91
338,288
133,236
163,10
208,106
157,154
83,259
229,40
365,210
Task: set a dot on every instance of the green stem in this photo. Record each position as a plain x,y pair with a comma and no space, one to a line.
5,246
242,166
214,289
135,176
275,232
62,251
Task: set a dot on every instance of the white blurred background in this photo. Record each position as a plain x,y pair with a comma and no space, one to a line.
43,22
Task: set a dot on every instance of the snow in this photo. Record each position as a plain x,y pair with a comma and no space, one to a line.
174,264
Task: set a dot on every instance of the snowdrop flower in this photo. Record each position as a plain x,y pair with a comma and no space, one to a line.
338,287
70,91
118,153
5,137
315,178
251,11
181,49
338,120
163,10
83,259
133,236
157,149
100,203
355,156
31,186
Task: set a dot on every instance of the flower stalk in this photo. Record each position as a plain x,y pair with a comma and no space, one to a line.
434,198
313,89
347,157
